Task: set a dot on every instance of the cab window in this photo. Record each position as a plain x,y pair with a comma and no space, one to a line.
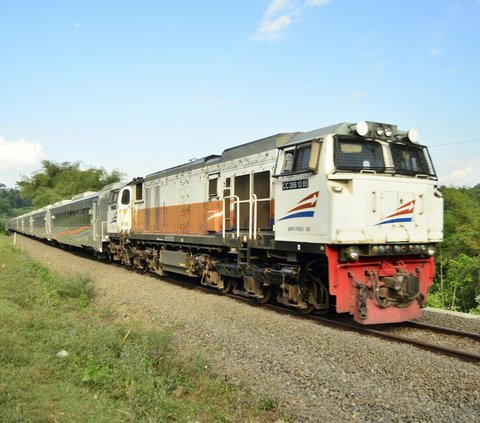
411,160
296,159
361,155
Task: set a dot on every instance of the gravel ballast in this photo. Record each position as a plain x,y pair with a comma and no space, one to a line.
314,373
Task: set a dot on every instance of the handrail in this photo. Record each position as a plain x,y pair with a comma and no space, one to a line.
253,204
252,215
237,221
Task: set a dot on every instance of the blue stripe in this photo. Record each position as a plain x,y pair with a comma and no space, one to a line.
299,214
399,219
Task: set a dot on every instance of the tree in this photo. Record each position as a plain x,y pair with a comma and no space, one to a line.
11,204
58,181
457,285
461,221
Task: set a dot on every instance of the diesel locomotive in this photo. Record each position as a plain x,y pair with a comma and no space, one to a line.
344,218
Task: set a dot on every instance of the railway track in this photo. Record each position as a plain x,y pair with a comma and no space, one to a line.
385,334
435,348
340,323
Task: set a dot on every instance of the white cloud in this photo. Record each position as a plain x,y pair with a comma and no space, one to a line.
272,30
20,155
17,158
278,17
276,6
460,177
458,172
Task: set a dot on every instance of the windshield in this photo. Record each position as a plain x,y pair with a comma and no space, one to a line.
411,160
359,155
353,154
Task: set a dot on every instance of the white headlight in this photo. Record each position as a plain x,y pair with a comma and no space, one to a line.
413,135
362,128
431,250
380,131
388,132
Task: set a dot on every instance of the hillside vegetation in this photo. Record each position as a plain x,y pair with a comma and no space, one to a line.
457,285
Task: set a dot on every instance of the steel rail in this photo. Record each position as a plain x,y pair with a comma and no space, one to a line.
462,355
442,329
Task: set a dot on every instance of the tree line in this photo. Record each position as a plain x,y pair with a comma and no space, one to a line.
456,286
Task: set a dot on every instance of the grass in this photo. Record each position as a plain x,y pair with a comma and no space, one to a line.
62,361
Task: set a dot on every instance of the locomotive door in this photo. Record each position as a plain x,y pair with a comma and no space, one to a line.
253,191
95,231
183,190
48,224
125,210
214,205
112,213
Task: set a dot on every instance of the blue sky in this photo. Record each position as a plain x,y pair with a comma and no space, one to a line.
143,85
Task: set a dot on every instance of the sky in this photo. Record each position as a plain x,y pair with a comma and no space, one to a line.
140,86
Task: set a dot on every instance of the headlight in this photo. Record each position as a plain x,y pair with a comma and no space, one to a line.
388,132
352,253
380,131
362,128
413,135
431,250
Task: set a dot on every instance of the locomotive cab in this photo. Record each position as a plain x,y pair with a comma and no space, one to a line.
370,202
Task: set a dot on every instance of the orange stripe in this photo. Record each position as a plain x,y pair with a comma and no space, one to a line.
75,232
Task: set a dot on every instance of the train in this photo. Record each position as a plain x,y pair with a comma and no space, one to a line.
345,218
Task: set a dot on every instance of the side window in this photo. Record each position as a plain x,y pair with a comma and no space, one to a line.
126,197
213,186
298,159
139,191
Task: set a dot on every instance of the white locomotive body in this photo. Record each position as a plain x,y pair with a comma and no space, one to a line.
344,217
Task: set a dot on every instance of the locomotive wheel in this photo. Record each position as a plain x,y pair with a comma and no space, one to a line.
313,288
267,292
228,284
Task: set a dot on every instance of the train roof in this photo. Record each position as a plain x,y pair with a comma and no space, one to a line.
257,146
339,128
264,144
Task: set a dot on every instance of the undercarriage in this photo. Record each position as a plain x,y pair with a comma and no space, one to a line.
296,285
